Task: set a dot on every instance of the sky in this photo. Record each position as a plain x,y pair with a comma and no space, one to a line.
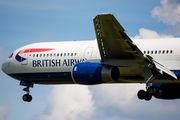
25,22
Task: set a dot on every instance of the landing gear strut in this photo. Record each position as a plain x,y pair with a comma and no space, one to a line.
26,97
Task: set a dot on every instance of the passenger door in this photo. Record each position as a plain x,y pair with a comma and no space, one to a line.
88,53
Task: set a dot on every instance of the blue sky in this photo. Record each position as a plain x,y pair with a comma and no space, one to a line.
24,22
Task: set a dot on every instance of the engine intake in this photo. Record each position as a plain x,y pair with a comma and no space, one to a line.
94,73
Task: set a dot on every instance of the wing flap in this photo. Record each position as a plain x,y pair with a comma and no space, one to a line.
164,69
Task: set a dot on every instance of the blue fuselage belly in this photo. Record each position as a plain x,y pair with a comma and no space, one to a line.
65,78
45,78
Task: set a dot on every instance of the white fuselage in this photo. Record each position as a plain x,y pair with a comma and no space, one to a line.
54,60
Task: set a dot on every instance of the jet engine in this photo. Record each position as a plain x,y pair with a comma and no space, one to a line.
94,73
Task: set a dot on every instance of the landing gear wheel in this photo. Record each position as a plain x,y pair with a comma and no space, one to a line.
159,92
144,95
147,96
151,91
141,94
27,98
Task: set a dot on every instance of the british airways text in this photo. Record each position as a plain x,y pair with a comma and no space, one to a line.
56,62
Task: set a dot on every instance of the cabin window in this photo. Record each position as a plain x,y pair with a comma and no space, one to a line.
171,51
159,51
68,54
71,54
58,55
154,52
44,55
64,54
40,55
61,54
47,55
163,51
74,54
37,55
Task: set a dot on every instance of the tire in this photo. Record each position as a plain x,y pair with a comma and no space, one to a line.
141,94
27,98
159,92
147,96
151,91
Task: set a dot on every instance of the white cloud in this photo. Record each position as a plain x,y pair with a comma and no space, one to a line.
4,111
119,101
110,101
169,13
70,102
116,94
145,34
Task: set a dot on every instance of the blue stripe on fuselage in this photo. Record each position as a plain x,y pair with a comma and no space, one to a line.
46,77
176,72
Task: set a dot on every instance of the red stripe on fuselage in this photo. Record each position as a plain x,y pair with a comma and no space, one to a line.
35,50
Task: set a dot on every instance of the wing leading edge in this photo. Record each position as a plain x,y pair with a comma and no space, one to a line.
117,49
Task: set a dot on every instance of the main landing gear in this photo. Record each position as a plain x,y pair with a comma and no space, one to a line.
26,97
147,95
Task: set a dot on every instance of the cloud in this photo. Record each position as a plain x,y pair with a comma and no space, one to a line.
145,34
119,101
4,111
107,92
70,102
110,101
168,13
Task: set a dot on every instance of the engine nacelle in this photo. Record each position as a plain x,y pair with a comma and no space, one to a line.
94,73
167,90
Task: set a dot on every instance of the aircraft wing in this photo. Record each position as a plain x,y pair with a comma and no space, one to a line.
113,42
117,49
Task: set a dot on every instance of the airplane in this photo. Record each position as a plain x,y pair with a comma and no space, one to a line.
111,58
